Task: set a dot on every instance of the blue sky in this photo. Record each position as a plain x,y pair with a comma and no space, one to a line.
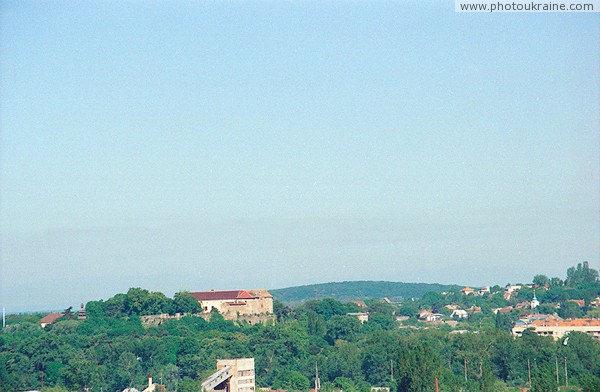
198,145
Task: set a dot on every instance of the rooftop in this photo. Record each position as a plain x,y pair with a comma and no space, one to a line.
222,295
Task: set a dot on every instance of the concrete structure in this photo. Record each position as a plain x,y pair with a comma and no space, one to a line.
157,319
558,328
233,305
232,375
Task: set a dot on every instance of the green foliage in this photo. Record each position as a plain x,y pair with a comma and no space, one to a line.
569,310
342,327
408,308
342,360
112,350
349,385
418,367
541,280
282,311
351,291
543,379
589,383
504,321
184,302
290,380
189,385
380,321
582,274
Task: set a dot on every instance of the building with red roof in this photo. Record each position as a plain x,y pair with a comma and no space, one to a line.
49,319
233,304
557,328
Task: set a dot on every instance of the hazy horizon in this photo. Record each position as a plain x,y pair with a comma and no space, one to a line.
224,145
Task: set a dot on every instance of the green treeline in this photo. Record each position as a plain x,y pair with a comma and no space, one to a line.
360,290
111,350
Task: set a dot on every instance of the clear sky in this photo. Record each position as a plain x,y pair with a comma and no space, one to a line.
265,144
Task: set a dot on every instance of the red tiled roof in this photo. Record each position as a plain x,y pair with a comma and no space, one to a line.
49,319
222,295
260,293
568,323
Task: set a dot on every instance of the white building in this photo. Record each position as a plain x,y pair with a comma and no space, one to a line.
459,313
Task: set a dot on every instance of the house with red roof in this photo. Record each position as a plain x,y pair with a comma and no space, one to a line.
467,291
235,303
49,319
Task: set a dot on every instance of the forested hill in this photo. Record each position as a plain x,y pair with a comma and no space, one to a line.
358,290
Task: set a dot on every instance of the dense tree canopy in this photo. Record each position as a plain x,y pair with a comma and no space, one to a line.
112,350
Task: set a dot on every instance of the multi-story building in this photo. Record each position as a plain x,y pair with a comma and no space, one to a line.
558,328
237,304
242,379
232,375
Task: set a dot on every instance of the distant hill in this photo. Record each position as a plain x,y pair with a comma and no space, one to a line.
358,290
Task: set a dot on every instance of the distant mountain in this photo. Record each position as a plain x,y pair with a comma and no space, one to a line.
358,290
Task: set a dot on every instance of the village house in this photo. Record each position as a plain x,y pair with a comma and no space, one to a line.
467,291
247,305
506,309
362,317
474,309
523,305
459,313
360,304
49,319
52,317
430,317
511,290
483,290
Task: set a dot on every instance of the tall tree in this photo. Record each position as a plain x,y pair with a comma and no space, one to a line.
418,367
